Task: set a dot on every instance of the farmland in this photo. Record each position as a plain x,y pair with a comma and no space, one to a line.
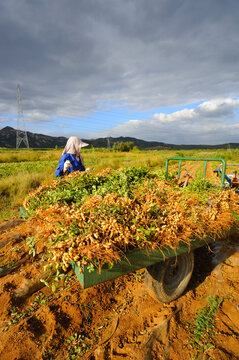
24,170
117,319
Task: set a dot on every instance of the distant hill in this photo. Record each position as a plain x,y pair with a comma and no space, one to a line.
8,140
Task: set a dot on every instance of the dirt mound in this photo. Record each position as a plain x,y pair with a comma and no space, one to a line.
117,319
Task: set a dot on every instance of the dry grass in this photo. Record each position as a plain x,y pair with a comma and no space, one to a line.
14,189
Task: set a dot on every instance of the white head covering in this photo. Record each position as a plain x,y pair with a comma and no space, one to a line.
73,146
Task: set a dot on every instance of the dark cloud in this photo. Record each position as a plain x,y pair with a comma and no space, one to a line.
70,56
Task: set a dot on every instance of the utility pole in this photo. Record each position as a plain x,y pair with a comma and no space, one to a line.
21,127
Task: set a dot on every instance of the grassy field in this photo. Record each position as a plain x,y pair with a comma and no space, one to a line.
23,170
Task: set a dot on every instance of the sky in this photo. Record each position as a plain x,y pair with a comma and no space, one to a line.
157,70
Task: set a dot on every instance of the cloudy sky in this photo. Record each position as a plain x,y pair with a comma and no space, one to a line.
160,70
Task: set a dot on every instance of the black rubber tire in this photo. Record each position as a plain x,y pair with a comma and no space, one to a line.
167,280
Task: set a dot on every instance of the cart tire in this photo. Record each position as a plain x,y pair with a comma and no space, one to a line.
167,280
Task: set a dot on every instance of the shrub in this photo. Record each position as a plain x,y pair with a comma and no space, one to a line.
124,146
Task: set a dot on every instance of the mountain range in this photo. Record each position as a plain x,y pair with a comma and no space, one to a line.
8,140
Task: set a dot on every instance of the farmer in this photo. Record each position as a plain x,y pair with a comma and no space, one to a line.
71,159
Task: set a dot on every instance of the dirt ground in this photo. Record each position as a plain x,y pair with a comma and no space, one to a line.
117,319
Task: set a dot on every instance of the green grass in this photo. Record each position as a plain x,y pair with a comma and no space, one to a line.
21,168
202,331
200,185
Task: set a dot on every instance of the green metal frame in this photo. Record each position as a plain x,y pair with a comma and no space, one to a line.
134,260
205,160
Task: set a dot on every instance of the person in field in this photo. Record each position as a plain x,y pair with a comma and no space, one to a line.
71,159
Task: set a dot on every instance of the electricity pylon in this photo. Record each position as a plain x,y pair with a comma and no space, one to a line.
21,127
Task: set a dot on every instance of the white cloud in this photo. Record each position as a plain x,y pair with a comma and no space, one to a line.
181,115
218,107
206,124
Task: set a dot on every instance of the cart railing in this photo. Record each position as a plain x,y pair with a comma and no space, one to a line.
205,161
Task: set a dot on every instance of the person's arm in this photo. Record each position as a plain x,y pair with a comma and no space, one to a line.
76,165
63,165
67,165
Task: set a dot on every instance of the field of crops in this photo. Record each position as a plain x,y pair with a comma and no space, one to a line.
25,169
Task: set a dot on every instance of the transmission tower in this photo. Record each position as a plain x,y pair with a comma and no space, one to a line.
21,127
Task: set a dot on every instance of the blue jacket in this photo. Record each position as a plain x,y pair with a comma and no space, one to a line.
76,165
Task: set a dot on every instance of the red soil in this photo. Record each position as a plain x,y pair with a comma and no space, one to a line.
117,319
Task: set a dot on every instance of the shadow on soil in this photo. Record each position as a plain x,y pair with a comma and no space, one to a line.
208,257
